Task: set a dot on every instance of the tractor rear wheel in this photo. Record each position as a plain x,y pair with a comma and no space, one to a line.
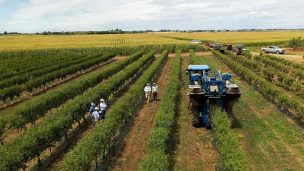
196,120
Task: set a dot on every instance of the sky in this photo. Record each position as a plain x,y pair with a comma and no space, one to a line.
83,15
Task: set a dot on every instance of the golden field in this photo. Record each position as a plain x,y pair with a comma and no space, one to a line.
238,37
76,41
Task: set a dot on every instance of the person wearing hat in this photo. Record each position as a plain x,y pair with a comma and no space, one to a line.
95,116
103,108
154,91
92,108
147,91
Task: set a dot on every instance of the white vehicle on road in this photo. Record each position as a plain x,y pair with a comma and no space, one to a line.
273,49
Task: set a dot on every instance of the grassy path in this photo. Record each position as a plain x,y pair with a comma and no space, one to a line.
193,146
270,139
133,146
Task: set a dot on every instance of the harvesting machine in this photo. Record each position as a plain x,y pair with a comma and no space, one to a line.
205,90
240,49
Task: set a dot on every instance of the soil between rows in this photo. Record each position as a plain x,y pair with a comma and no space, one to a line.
133,147
194,149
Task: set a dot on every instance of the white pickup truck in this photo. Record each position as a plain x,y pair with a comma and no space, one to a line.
273,49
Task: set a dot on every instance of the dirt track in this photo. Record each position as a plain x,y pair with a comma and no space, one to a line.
134,144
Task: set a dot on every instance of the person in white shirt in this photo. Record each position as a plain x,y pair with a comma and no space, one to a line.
103,108
95,116
154,92
147,91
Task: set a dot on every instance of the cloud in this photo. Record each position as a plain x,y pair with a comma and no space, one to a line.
57,15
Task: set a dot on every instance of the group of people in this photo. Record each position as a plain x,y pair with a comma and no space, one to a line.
98,112
151,92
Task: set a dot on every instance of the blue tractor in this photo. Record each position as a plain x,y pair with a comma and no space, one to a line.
206,90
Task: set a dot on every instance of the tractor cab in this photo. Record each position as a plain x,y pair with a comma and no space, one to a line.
204,82
197,73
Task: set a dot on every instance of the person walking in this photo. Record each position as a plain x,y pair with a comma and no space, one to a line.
147,91
154,91
95,116
103,108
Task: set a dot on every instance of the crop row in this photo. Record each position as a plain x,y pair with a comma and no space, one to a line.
119,50
98,142
24,61
30,110
33,141
156,157
286,62
32,67
15,62
269,91
192,56
61,73
232,156
50,75
24,76
270,73
12,66
286,81
297,73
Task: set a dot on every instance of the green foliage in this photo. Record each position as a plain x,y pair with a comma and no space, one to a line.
155,161
232,156
293,71
296,42
248,63
286,62
28,69
32,109
192,56
40,76
267,89
287,78
63,52
97,143
247,54
156,157
270,70
54,127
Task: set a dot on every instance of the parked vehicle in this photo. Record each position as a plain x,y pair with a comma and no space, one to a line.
213,45
196,42
273,49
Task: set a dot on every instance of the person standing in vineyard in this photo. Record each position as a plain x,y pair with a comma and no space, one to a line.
103,108
154,91
147,91
95,116
92,108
